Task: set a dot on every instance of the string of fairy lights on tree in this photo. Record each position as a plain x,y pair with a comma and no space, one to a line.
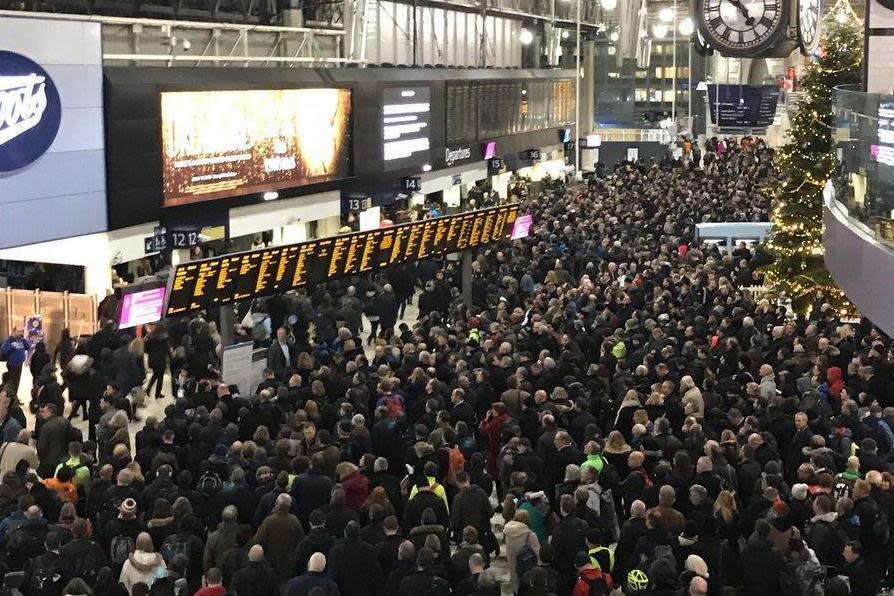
807,162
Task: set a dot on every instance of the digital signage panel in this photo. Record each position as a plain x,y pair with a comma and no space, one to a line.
406,126
218,144
211,282
743,106
141,307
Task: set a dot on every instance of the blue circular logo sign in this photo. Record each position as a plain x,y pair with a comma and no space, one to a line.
30,111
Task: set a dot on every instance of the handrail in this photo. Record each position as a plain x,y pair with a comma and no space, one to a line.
107,20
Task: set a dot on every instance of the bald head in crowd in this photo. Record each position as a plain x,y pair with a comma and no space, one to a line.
316,563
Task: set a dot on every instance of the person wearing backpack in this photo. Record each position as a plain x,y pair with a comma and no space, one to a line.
82,557
185,542
471,507
222,540
119,535
26,541
874,528
823,534
522,547
590,581
569,537
80,465
43,574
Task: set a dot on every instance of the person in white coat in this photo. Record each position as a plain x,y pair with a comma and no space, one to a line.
143,565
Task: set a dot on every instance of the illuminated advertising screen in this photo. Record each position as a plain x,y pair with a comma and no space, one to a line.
219,144
522,227
202,284
141,307
406,127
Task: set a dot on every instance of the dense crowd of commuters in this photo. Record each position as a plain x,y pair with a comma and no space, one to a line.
612,413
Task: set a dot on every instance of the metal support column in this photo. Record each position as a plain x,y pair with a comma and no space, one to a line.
227,324
577,172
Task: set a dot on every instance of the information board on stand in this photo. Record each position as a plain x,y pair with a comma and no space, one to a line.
243,366
212,282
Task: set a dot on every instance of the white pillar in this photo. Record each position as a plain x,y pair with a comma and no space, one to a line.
97,279
294,233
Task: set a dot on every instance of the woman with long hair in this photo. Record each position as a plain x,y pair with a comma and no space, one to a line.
65,349
616,451
726,511
377,496
144,565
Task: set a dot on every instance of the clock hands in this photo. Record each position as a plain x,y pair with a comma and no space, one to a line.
749,20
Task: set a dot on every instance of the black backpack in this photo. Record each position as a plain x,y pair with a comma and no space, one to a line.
881,529
87,567
173,545
120,549
47,578
525,560
209,484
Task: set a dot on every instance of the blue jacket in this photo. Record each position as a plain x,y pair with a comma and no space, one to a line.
15,350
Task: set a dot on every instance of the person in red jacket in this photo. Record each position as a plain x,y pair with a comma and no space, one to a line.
212,584
590,581
492,427
355,484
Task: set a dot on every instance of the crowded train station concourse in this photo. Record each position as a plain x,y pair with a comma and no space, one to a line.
396,298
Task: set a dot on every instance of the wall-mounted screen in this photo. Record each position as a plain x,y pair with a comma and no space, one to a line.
219,144
490,150
491,109
202,284
743,106
406,126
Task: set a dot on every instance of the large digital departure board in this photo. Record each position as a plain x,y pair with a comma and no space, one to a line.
743,106
221,280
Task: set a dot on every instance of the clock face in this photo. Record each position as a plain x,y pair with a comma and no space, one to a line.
808,23
741,25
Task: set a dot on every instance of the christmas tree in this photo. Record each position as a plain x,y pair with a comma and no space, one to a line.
807,161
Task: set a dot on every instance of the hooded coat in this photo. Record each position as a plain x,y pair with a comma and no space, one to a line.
143,567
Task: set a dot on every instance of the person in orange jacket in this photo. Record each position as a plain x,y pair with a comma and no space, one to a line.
63,485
